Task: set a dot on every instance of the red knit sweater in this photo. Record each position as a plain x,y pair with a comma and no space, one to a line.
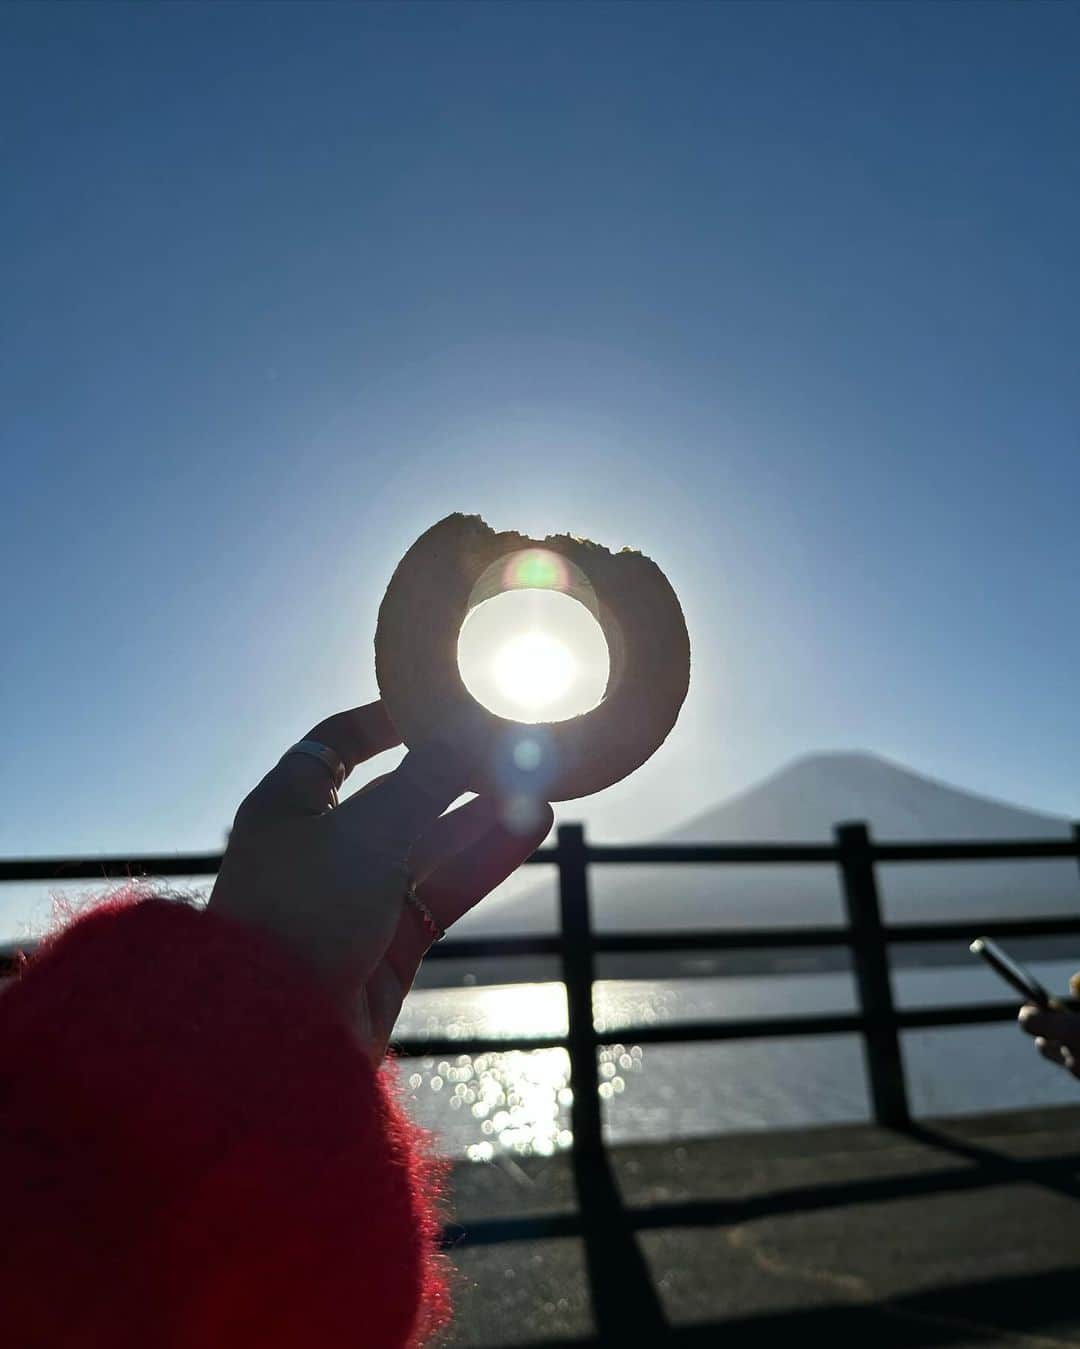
195,1154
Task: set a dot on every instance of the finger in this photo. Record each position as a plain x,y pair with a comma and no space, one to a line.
1061,1026
299,784
1074,985
464,880
1051,1050
451,834
1037,1022
460,883
409,800
357,735
1059,1054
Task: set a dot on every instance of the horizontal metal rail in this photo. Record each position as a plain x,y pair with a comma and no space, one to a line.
115,867
865,936
680,1032
982,927
735,939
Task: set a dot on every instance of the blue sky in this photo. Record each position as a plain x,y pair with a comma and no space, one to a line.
785,296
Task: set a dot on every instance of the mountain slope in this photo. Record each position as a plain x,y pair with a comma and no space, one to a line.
802,803
807,798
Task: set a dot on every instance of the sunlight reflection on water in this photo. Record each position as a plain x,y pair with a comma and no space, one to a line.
517,1103
514,1102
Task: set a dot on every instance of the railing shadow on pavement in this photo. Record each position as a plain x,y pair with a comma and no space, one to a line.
627,1306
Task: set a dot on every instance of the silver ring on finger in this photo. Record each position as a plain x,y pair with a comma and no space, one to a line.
329,758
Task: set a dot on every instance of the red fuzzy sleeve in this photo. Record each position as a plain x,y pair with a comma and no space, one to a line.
195,1153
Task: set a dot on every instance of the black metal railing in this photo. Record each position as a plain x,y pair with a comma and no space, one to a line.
866,935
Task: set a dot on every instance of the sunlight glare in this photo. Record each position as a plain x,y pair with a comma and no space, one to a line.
534,670
533,655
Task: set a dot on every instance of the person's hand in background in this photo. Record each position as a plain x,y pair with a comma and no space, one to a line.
329,880
1057,1033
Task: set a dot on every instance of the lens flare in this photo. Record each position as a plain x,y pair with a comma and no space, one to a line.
519,814
527,754
536,569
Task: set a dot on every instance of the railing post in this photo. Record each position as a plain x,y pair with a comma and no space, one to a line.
577,964
1076,839
881,1040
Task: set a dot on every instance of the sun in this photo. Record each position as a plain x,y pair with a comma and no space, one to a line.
533,655
534,670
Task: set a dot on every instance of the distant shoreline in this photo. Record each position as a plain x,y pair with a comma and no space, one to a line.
472,973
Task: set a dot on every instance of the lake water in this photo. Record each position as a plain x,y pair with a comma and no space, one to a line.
518,1103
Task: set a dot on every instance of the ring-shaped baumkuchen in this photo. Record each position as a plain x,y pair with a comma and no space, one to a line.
459,563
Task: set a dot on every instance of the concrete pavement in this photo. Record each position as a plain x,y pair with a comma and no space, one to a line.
963,1232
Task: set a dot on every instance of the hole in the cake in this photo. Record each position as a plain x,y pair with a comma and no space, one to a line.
534,655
